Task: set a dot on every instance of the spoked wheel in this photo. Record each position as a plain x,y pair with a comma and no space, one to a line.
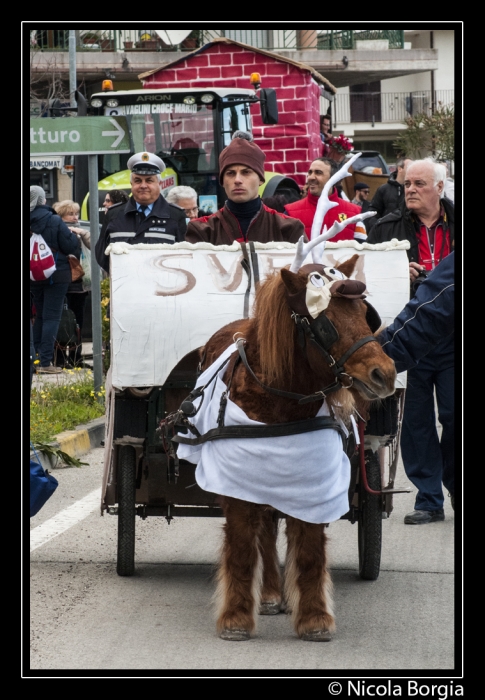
126,511
370,520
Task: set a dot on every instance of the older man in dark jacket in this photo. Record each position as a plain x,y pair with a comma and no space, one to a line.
48,295
426,219
147,217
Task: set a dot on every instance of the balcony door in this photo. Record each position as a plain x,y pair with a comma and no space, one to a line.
365,102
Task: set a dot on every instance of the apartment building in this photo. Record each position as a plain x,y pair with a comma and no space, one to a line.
380,76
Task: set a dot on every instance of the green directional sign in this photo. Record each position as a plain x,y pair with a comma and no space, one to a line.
79,136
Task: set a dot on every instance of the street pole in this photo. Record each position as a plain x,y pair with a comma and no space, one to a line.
95,279
72,68
94,226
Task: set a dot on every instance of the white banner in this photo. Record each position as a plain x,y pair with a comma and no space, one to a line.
167,300
48,162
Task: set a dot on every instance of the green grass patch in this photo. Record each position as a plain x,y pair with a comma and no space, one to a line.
58,407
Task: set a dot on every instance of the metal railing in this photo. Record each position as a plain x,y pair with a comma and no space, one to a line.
387,107
110,40
270,39
347,39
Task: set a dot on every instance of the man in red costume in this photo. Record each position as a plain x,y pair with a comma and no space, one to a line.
319,173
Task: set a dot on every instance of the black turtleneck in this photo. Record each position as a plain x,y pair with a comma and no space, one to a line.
244,211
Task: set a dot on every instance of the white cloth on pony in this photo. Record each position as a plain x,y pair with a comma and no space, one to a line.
306,476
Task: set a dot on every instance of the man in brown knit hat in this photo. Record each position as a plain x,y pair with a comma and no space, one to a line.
244,217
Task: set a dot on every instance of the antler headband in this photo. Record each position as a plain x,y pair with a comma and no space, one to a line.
317,241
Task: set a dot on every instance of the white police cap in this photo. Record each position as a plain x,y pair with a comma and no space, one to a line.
145,163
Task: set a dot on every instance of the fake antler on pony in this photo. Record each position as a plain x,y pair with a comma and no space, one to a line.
318,238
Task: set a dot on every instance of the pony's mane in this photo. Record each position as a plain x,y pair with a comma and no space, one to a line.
275,331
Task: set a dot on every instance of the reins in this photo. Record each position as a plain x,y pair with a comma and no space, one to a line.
312,331
305,329
322,334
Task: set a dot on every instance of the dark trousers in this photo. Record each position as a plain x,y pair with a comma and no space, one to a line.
428,460
76,301
48,300
32,353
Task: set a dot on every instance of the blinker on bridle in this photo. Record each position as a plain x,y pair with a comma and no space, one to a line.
322,334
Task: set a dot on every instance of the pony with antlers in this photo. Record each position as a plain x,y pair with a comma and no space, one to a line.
267,424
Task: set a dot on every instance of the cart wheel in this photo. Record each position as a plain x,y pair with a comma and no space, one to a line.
370,520
126,511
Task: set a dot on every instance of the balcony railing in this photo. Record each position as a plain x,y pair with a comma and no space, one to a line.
348,39
386,107
110,40
270,39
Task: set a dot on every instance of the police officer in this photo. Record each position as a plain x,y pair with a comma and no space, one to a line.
147,217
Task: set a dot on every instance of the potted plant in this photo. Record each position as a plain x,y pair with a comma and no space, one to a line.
107,45
147,42
128,44
91,39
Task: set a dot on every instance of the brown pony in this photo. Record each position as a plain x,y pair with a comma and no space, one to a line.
286,354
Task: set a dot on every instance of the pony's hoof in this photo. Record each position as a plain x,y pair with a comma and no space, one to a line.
269,609
234,635
317,636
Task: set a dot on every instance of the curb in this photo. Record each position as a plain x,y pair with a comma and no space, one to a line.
75,443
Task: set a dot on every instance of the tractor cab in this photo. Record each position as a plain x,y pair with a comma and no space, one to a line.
187,128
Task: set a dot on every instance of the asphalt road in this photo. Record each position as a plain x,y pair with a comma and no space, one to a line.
86,620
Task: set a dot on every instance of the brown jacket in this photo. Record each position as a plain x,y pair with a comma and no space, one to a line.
222,228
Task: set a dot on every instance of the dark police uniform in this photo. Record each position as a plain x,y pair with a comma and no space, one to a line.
165,224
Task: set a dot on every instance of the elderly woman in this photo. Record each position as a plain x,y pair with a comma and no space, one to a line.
48,295
185,197
76,293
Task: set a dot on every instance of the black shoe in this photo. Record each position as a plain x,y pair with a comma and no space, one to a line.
420,517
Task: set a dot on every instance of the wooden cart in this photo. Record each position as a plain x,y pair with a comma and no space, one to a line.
166,302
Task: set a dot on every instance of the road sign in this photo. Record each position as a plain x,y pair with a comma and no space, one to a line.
79,136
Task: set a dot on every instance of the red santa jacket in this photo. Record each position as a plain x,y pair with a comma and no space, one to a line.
306,208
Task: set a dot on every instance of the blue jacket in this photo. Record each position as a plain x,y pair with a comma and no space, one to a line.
424,330
58,237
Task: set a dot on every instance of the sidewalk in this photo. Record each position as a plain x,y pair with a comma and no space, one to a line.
66,376
78,442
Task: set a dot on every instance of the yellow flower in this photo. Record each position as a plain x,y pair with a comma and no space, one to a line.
36,362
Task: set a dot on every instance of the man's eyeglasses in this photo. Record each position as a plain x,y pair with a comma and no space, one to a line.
194,210
365,191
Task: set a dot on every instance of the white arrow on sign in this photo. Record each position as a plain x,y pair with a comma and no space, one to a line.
119,133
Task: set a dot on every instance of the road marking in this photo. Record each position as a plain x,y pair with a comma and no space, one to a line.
64,520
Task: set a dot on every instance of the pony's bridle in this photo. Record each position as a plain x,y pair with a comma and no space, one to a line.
321,333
